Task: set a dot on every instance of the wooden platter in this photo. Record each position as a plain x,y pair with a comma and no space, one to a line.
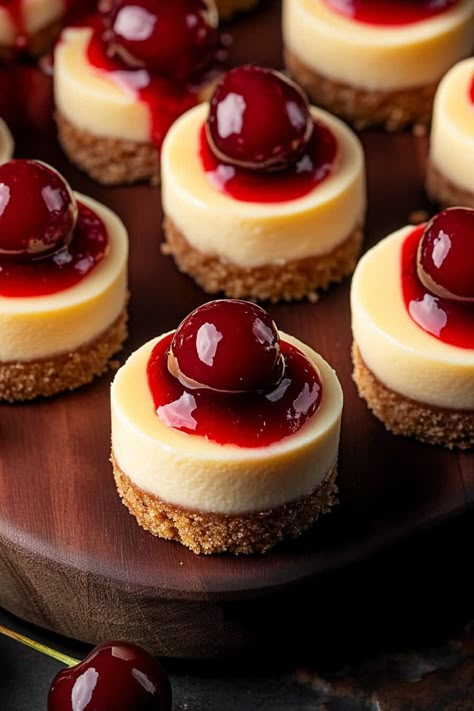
71,557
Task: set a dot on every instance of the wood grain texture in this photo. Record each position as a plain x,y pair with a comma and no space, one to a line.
73,559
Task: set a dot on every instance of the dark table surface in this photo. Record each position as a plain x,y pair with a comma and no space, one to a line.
395,633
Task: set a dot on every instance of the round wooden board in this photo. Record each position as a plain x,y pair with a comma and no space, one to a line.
73,559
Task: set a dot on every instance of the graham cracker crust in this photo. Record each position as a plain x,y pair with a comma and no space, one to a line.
392,109
403,416
228,8
67,371
109,161
296,279
208,533
441,190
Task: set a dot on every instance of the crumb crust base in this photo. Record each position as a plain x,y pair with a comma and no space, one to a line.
207,533
443,191
294,280
26,380
109,161
404,416
363,108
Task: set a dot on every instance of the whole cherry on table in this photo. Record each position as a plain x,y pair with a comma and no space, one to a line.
115,676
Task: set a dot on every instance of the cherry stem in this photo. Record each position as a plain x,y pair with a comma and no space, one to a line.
63,658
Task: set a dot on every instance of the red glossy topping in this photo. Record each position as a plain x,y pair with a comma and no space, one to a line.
172,38
37,210
166,99
258,119
390,12
64,268
116,676
228,345
250,419
471,90
313,166
446,254
449,321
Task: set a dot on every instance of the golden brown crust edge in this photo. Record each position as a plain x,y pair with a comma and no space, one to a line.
67,371
441,190
296,279
403,416
208,533
392,109
109,161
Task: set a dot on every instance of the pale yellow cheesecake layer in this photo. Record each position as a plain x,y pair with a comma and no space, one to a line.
91,99
37,14
38,327
192,472
398,352
452,135
6,142
255,234
375,57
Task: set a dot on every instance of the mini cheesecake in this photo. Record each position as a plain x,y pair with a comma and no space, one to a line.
122,79
225,433
375,62
63,286
412,303
450,172
30,25
281,231
6,142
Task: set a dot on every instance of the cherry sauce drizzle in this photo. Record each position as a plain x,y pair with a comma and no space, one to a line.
253,420
448,320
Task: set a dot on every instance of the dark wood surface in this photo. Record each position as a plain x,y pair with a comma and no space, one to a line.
73,559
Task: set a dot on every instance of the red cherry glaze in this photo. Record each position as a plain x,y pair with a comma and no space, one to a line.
38,211
450,321
390,12
164,98
446,254
252,419
471,90
116,676
62,269
228,345
172,38
314,165
258,119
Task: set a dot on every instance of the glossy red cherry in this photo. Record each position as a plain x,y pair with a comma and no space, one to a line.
227,345
258,119
38,211
116,676
174,38
446,254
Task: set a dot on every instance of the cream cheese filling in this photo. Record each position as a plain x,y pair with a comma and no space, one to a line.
6,143
255,234
452,135
374,57
38,327
191,472
400,354
91,99
37,14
